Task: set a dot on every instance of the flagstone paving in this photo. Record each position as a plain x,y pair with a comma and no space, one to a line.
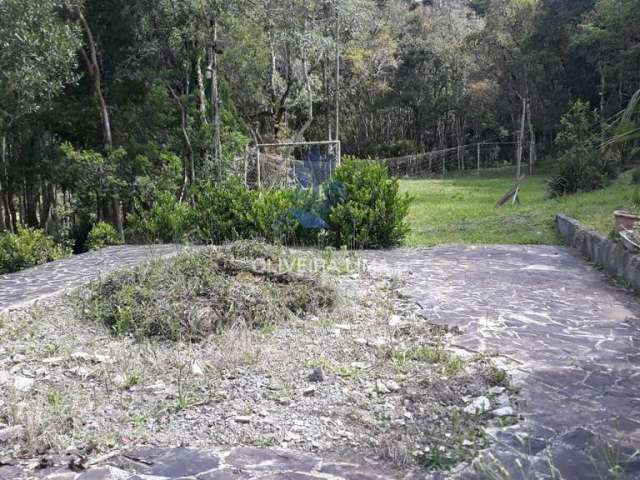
569,337
31,285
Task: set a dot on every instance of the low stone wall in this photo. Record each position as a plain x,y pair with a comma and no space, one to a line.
616,260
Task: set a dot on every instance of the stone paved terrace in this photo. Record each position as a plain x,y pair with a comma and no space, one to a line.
569,336
28,286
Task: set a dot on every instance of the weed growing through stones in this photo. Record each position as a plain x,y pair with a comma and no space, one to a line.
331,367
451,364
496,376
437,461
132,379
55,399
138,420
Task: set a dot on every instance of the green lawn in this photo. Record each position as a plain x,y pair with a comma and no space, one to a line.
462,210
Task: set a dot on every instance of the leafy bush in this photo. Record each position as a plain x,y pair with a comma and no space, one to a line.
196,294
582,166
273,216
168,220
229,211
581,171
102,235
223,212
635,177
361,208
365,209
28,248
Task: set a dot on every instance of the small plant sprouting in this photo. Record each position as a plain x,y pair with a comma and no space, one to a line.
132,380
55,399
451,364
138,420
437,461
249,358
327,365
183,402
497,377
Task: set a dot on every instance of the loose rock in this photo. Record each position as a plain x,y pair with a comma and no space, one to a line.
317,375
10,434
503,412
478,406
309,392
381,387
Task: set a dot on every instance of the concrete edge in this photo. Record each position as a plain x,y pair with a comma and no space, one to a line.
608,254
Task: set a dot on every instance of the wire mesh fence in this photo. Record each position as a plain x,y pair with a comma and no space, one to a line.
301,164
473,159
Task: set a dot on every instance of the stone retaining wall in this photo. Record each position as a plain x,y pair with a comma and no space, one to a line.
616,260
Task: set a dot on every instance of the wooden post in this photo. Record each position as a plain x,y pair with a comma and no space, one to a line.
286,168
521,138
246,162
258,166
532,141
478,159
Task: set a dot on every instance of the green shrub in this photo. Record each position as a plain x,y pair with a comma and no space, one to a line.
168,220
223,212
365,209
28,248
582,166
635,177
581,171
273,216
196,294
102,235
361,208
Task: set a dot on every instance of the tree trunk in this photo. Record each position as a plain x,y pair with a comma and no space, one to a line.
202,96
10,206
48,205
603,127
93,67
337,99
30,206
188,147
91,60
216,105
309,120
6,219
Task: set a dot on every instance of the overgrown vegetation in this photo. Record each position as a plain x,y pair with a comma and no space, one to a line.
583,166
27,248
198,293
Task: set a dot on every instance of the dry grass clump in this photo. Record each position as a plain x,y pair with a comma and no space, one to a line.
197,293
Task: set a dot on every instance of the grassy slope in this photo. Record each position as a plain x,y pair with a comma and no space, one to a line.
462,210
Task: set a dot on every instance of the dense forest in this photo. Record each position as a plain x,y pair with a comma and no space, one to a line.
106,105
